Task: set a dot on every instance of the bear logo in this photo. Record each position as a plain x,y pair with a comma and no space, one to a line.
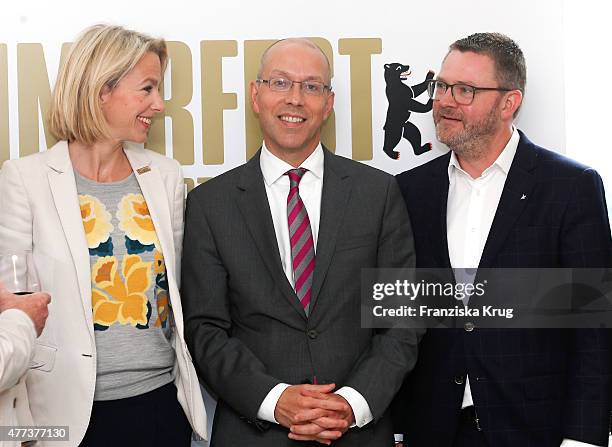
401,103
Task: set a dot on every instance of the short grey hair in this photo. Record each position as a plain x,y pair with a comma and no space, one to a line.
510,66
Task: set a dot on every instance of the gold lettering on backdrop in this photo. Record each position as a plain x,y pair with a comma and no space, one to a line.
214,100
253,49
34,94
181,77
190,184
328,132
4,116
360,51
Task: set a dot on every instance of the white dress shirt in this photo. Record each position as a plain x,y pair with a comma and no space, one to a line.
470,210
277,189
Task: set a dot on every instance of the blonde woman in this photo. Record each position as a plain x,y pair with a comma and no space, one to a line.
104,219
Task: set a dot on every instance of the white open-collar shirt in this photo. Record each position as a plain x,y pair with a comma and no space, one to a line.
470,209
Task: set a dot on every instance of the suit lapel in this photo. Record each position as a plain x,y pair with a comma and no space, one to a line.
334,199
255,209
63,188
516,193
152,185
437,212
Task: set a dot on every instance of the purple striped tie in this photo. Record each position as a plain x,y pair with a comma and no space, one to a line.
300,235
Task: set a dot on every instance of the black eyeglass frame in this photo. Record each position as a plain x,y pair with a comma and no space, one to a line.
267,82
432,82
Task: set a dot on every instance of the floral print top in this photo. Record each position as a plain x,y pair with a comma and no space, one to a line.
130,302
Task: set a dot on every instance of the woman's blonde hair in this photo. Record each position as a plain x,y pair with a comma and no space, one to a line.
99,58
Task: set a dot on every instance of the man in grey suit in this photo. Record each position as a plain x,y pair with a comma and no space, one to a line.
271,276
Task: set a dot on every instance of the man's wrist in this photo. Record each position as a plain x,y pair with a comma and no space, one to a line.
359,406
268,405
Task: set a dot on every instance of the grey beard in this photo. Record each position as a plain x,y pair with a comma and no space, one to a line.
474,141
467,146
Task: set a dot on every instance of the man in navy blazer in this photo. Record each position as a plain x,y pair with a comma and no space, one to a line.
497,200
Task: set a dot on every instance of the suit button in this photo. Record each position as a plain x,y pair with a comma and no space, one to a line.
312,334
459,380
469,326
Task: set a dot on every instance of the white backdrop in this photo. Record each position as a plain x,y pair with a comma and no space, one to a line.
412,33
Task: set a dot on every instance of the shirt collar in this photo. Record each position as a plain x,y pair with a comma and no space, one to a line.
503,162
273,168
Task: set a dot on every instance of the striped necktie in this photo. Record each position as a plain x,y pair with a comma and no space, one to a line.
300,236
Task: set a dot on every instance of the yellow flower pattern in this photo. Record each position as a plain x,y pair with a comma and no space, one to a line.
120,297
96,221
135,220
128,272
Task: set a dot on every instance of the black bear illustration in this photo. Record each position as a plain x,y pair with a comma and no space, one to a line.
401,103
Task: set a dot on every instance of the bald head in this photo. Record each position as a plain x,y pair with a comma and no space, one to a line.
285,44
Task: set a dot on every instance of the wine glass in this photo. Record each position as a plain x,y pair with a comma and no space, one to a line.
18,272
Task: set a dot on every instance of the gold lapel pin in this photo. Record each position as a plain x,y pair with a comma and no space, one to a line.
143,170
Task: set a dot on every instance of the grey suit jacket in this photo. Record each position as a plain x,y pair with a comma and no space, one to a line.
244,325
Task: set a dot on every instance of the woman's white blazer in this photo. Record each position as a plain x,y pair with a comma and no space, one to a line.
39,211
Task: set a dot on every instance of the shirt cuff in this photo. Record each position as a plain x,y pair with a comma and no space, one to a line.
267,407
360,407
572,443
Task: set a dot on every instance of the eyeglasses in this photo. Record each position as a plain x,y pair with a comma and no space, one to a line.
314,88
462,93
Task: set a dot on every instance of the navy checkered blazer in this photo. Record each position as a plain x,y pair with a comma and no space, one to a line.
531,387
